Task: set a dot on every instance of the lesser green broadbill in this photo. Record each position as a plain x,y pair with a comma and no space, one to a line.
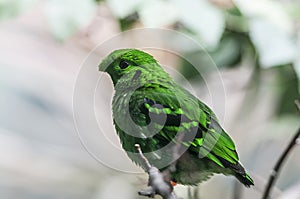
151,110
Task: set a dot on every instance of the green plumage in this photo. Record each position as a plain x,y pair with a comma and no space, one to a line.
150,109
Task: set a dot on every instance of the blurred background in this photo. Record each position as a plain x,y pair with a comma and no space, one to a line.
254,44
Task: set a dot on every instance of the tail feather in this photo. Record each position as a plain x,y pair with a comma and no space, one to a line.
245,179
239,172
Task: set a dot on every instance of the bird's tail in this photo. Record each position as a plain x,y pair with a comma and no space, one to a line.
245,179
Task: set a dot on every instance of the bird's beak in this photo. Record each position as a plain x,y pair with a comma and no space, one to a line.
102,66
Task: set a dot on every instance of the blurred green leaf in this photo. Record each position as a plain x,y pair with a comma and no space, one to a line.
228,53
203,19
123,8
288,89
189,71
151,12
127,22
297,62
236,21
65,17
297,69
293,10
12,8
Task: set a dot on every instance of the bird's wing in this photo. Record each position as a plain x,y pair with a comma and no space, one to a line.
180,111
216,143
219,147
163,107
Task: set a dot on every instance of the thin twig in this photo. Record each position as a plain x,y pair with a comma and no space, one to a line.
279,163
282,158
157,183
142,157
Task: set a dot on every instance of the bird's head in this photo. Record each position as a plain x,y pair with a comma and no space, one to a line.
131,66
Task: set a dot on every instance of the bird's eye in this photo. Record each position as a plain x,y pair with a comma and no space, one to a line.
123,64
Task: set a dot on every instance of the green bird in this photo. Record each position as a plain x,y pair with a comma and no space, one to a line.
172,126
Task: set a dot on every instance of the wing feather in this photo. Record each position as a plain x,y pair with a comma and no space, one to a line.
173,111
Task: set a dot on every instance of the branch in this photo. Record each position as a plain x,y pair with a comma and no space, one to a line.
275,172
157,183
